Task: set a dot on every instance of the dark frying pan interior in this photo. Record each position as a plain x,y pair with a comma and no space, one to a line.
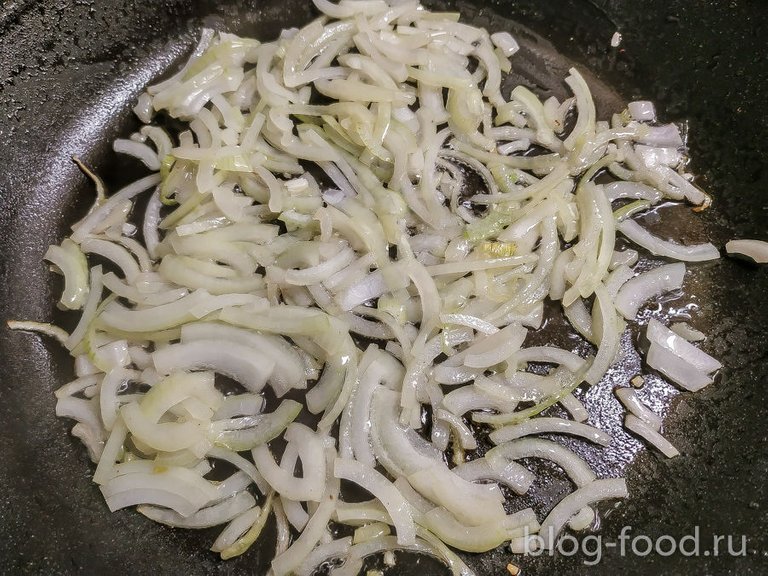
69,72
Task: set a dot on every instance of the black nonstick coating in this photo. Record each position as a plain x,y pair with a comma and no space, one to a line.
69,71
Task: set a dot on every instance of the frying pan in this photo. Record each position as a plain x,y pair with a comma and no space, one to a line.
68,74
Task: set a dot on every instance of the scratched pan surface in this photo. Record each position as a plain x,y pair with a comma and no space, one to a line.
69,72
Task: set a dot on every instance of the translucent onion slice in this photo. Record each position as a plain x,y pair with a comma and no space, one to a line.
188,309
41,328
578,470
288,372
232,485
631,190
245,466
283,540
547,355
370,531
513,475
244,542
604,314
250,431
551,425
220,513
71,261
236,528
479,538
570,505
685,330
659,247
757,250
322,553
245,404
100,212
472,504
292,558
310,448
642,110
90,310
179,489
373,482
247,366
138,150
459,428
632,402
642,429
383,369
582,520
295,513
638,290
657,333
676,368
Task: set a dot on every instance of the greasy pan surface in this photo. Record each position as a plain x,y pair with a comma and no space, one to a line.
69,72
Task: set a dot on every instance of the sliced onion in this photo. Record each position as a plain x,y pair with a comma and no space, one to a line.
287,373
642,110
460,429
513,475
625,257
468,398
585,496
472,504
240,462
547,354
582,520
657,333
505,42
250,431
685,330
676,368
292,558
41,328
370,531
609,339
382,369
176,488
71,261
250,368
373,482
295,513
635,292
494,348
259,274
108,399
220,513
338,548
575,408
241,544
632,402
233,485
96,216
245,404
757,250
552,425
641,428
311,485
140,151
236,528
659,247
665,135
573,465
479,538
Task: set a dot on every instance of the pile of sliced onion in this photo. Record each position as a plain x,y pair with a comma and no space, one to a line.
317,199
